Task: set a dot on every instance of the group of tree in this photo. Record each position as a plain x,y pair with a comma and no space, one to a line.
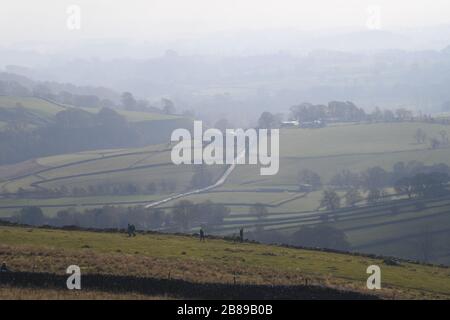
73,130
85,97
346,112
430,184
334,111
184,215
352,197
129,102
439,141
70,98
330,200
268,120
433,184
379,178
414,180
107,217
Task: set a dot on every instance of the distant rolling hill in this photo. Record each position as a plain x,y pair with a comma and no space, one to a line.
48,109
29,128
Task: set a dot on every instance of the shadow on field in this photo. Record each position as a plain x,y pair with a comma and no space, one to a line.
177,288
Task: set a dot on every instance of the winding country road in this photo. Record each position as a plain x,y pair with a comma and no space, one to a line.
218,183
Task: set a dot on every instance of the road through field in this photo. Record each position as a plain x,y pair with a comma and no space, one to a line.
218,183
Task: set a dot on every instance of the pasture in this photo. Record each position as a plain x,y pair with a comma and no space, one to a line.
49,109
214,261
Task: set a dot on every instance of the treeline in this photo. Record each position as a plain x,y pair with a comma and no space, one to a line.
41,90
377,177
373,177
107,217
127,102
73,130
335,111
186,214
165,186
413,179
68,96
345,112
182,217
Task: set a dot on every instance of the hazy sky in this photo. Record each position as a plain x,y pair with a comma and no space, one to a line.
43,20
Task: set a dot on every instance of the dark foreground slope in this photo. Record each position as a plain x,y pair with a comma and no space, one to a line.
177,288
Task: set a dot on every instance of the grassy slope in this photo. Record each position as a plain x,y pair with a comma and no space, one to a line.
140,166
143,157
49,109
213,261
354,147
38,105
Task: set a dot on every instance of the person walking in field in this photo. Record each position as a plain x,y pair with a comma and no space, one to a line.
241,235
4,268
202,235
131,230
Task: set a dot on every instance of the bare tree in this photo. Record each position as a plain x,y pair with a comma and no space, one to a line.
330,200
352,197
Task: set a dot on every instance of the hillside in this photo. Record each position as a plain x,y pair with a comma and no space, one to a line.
48,109
327,151
32,127
216,261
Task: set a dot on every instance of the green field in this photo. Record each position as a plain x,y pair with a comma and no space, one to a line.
38,105
216,260
410,232
49,109
140,166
